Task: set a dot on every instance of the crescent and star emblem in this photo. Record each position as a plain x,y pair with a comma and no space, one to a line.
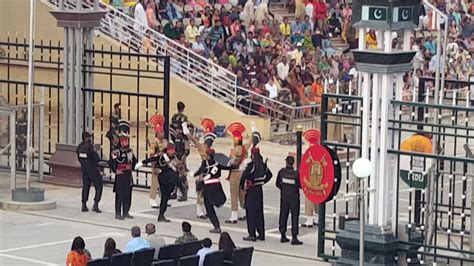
378,13
405,14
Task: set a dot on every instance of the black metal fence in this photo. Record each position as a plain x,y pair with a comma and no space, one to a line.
136,81
433,221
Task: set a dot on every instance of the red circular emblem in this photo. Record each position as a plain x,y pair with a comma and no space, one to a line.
317,174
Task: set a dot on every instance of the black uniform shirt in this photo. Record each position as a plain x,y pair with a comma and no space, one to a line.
288,181
88,157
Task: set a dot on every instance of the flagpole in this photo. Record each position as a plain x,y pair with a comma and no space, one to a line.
29,150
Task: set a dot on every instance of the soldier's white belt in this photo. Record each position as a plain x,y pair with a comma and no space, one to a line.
288,181
83,155
211,181
261,178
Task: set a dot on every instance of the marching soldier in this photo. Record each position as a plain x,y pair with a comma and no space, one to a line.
181,143
211,187
177,120
122,161
113,133
154,148
253,178
168,178
237,157
209,137
21,139
289,185
89,159
310,209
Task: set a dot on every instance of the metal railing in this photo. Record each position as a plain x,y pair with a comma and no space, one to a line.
217,81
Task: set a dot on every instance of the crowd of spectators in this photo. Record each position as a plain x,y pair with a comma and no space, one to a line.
291,59
80,256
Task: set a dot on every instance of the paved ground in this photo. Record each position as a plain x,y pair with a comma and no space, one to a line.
44,237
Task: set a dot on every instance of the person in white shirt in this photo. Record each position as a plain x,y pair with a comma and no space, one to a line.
283,68
140,18
271,88
156,241
206,243
198,45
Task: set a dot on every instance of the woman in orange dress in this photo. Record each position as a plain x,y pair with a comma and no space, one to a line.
79,256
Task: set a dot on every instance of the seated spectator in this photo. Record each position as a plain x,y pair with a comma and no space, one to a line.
371,39
78,256
226,244
198,46
271,88
172,10
156,241
110,248
137,241
206,249
285,28
187,235
191,32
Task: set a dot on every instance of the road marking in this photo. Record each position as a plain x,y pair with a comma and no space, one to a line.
27,260
43,224
103,235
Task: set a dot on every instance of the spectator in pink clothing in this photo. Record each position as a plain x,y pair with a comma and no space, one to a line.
320,11
150,16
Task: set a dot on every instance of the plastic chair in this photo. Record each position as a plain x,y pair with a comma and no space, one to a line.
228,6
172,251
121,259
143,257
99,262
214,258
191,248
192,260
165,263
242,256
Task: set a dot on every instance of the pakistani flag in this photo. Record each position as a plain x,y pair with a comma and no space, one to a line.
378,13
405,14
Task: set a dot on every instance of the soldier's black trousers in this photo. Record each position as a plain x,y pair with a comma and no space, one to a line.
287,205
168,180
254,211
87,180
211,212
123,193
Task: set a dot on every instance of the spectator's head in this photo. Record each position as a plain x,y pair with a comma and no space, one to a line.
298,19
186,227
285,20
179,24
225,242
198,38
150,228
136,231
206,242
306,18
192,22
180,106
78,244
109,246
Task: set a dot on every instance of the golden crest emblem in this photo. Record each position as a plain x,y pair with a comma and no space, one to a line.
316,175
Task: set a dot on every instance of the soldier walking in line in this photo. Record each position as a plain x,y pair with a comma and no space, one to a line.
21,127
253,178
122,162
289,185
89,159
154,149
209,137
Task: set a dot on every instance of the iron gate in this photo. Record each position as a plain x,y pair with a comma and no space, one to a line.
136,81
434,226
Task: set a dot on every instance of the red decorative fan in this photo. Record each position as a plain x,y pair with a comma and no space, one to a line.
236,129
208,125
313,136
157,120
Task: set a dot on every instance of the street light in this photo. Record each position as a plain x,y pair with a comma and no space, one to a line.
362,168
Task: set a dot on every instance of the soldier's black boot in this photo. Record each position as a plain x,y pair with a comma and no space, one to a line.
284,239
96,207
84,207
295,241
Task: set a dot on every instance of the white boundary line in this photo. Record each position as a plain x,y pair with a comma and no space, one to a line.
27,260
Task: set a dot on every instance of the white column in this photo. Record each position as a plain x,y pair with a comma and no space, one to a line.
384,183
365,114
374,146
13,150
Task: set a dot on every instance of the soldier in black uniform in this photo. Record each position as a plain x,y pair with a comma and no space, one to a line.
122,162
168,177
253,178
289,185
89,159
211,187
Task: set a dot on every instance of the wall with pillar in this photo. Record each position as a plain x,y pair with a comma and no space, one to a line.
199,104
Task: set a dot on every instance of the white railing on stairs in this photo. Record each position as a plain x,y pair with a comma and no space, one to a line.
196,69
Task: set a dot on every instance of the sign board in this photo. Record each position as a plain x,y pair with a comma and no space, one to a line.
414,169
